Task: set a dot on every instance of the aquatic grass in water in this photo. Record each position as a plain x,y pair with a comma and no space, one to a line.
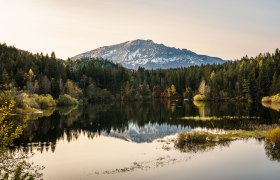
208,118
201,141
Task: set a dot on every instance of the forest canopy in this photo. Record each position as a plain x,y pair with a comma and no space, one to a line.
99,80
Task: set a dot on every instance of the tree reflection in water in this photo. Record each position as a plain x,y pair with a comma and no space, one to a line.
14,164
272,152
272,144
95,119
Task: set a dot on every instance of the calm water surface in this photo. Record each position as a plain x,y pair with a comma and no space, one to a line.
134,141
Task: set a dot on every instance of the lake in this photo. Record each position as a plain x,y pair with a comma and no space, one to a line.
136,141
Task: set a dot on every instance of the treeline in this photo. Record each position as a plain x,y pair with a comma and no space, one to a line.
98,80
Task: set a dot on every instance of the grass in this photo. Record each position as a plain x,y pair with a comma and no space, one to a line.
198,141
211,118
201,141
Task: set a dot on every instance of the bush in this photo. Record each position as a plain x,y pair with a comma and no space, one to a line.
45,101
273,137
33,102
66,100
25,101
199,97
185,138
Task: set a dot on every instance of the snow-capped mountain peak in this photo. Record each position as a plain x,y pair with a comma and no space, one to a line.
147,54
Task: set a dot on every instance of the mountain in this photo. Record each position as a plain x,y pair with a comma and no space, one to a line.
150,55
147,133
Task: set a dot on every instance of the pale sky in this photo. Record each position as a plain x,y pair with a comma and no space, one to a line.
228,29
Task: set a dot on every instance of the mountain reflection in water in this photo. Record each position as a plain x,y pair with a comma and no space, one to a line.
142,122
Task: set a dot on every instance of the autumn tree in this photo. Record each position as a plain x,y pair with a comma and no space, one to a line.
188,93
30,77
203,88
71,89
173,89
156,91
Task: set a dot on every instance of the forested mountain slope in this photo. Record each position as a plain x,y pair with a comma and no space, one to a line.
247,79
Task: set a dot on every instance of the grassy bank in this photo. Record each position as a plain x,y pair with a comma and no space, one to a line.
25,103
200,141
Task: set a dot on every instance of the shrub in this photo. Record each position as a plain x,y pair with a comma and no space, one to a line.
185,138
45,101
66,100
198,141
273,137
199,97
